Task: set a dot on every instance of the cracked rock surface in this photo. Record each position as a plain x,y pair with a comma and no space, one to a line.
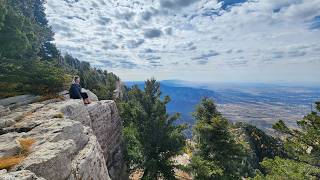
72,141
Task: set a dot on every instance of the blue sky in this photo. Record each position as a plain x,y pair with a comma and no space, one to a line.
195,40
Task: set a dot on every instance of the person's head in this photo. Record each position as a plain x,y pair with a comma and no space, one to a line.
76,79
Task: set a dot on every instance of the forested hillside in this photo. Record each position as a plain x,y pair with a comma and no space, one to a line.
232,151
219,149
31,63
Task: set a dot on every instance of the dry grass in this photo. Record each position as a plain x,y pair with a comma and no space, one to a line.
30,113
8,162
59,115
23,116
181,175
137,175
26,145
25,149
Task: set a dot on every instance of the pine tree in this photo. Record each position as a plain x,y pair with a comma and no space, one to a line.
303,148
151,136
22,70
218,155
3,12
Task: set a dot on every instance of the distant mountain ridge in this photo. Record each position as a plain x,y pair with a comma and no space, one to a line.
257,104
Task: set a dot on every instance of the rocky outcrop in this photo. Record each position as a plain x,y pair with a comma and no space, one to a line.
22,175
92,96
103,118
17,101
72,141
119,89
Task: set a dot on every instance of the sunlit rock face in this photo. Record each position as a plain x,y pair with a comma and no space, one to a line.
72,141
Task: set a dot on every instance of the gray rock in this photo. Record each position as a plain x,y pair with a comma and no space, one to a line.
4,111
18,175
51,160
118,92
92,96
73,141
90,156
17,101
103,118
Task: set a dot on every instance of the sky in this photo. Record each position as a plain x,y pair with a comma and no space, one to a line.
269,41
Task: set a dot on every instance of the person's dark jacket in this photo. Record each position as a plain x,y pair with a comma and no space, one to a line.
75,91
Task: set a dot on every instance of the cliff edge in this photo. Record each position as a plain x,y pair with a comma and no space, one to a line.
71,140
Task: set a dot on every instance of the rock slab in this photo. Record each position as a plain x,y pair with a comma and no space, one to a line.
72,141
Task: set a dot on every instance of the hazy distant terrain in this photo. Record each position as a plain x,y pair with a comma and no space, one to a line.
258,104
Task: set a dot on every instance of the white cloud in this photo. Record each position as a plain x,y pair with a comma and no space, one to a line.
256,40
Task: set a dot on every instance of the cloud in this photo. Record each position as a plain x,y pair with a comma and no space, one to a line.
186,46
296,53
148,50
127,64
228,3
278,55
146,15
125,15
280,36
206,56
107,63
107,45
61,27
103,20
149,57
176,4
202,61
168,30
153,58
152,33
238,63
229,51
134,43
154,63
315,23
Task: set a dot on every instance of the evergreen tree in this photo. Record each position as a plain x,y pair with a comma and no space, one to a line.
303,144
22,70
31,63
280,168
3,12
303,148
217,154
263,145
152,138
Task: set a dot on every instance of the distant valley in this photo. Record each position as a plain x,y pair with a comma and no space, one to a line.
257,104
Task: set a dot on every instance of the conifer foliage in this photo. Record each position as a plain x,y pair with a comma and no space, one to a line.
152,139
303,148
218,155
31,63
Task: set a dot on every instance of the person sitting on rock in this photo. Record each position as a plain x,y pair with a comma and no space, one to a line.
76,92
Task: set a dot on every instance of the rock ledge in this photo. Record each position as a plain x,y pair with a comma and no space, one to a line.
72,141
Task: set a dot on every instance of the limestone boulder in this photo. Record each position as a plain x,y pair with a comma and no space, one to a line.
4,111
65,146
21,175
92,96
17,101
